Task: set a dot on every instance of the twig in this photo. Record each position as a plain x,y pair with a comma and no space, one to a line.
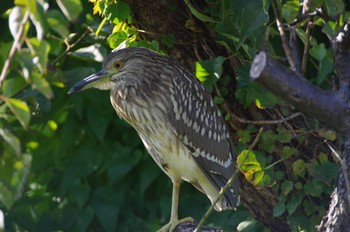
306,48
265,122
283,37
70,47
344,169
228,184
14,47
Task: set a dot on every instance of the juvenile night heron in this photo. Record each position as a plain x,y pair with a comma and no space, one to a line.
175,117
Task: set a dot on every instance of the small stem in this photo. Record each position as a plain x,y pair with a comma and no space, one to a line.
15,44
70,47
228,184
283,37
265,122
306,48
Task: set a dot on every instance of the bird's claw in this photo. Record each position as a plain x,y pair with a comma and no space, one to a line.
170,227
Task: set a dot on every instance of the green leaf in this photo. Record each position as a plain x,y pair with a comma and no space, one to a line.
98,121
41,85
198,15
308,207
253,92
41,49
325,69
93,52
313,188
11,139
283,135
70,8
294,202
218,100
325,171
334,7
252,165
249,26
6,196
115,39
318,51
279,209
168,40
209,71
107,207
290,10
299,168
58,23
327,134
286,187
20,109
83,219
38,19
288,151
268,139
117,12
244,136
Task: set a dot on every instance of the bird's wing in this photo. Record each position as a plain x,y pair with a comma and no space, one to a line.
199,124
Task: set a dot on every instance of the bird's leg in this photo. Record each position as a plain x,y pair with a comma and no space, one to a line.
174,218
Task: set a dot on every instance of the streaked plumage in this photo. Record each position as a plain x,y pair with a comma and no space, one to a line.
175,117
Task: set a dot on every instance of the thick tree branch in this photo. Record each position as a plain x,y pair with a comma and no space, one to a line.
326,106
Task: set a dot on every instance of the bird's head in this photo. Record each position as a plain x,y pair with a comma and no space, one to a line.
128,64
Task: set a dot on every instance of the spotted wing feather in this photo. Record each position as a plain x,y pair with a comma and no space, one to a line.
198,122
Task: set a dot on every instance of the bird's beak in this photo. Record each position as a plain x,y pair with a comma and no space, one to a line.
96,80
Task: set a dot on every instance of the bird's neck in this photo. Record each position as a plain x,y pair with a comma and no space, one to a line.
132,100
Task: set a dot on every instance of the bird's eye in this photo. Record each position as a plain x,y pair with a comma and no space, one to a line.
118,64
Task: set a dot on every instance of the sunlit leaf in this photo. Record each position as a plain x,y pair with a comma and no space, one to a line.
70,8
58,23
252,166
209,71
290,10
20,109
92,53
41,49
117,12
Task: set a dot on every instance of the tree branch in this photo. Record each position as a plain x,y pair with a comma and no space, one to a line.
325,106
14,47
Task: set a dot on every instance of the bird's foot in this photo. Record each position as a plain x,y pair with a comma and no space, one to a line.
173,223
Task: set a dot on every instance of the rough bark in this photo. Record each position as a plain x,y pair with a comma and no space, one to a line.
331,108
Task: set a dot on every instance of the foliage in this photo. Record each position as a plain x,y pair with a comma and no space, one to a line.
68,164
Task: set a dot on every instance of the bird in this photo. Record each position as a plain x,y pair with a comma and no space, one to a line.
176,118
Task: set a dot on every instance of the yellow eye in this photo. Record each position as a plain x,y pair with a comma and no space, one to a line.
118,64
